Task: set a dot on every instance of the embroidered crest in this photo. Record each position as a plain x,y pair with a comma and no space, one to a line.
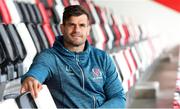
97,74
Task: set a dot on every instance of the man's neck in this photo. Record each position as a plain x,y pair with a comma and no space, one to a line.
76,49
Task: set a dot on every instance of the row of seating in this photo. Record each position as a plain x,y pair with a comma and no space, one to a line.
43,29
110,31
26,11
20,43
32,25
176,100
132,61
26,101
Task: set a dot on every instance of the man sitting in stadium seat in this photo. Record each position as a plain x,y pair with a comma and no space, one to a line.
77,74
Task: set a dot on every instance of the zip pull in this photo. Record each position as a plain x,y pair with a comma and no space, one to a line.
77,57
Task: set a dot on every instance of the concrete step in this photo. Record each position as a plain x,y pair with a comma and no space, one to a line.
146,90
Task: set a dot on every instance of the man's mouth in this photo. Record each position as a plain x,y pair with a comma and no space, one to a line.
76,35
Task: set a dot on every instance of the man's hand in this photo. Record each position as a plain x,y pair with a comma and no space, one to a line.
32,85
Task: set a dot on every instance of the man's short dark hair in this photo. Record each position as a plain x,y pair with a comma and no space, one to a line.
74,10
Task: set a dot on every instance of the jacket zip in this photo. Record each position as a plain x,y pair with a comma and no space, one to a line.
94,98
94,101
82,73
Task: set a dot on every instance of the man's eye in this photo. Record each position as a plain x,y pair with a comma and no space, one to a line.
82,25
71,25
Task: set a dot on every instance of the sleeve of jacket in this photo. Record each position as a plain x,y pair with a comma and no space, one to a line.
41,68
113,87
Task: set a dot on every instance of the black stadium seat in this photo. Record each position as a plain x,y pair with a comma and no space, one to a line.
25,100
20,48
31,13
10,51
55,17
19,10
118,68
34,37
56,29
28,44
2,55
18,41
2,62
24,11
43,36
39,37
37,13
59,29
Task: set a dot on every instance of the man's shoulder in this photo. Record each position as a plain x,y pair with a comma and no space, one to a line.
99,52
45,53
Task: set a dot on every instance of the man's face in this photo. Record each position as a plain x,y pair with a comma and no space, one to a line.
75,30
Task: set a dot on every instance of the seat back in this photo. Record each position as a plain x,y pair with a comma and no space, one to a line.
25,100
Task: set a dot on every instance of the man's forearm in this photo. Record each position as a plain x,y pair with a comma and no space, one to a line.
116,102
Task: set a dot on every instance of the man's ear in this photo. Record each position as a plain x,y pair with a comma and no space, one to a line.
62,28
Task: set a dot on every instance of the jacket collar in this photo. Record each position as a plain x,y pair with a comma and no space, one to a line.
59,47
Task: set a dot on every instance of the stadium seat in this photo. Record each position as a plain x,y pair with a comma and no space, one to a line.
28,43
11,52
6,18
25,100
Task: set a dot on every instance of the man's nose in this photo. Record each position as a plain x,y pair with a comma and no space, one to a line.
77,28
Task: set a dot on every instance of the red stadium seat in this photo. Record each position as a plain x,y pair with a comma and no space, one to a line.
49,33
4,12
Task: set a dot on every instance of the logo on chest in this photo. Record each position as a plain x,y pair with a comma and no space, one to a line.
96,73
69,71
